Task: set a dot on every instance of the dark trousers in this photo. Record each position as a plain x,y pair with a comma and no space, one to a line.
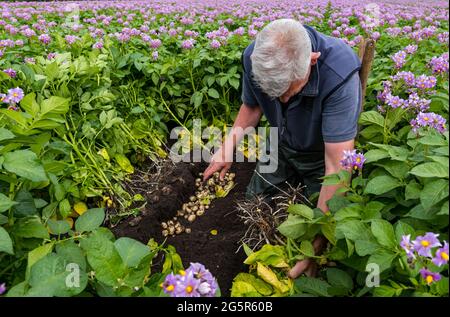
294,167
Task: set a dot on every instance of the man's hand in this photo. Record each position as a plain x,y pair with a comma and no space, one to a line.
309,266
219,163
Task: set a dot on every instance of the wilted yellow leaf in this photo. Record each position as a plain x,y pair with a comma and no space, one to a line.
214,232
270,277
80,207
104,153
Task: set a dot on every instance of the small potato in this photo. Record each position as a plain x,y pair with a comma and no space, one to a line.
191,218
198,180
192,198
210,182
178,230
174,218
186,216
188,230
164,225
171,230
200,213
232,175
170,223
194,208
206,206
165,233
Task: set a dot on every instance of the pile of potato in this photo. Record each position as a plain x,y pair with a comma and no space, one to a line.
199,202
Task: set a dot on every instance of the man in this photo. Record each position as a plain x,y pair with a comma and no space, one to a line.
306,84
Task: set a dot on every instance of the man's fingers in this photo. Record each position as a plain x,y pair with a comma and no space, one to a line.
223,172
299,268
209,171
311,271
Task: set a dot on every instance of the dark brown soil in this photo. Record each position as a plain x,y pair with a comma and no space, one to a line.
216,252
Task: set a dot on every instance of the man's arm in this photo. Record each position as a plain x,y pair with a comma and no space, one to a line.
333,155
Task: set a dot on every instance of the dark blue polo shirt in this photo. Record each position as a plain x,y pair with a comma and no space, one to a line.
326,109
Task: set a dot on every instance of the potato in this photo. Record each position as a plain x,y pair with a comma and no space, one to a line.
191,218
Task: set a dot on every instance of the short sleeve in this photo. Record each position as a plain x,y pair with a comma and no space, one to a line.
341,111
248,95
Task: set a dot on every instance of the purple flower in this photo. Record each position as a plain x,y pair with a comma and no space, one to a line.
441,256
429,119
425,82
187,44
30,60
10,72
188,286
70,39
13,108
98,45
375,36
439,65
2,288
155,55
407,246
45,38
170,284
399,59
15,95
352,160
429,276
155,43
4,98
394,101
336,33
424,244
215,44
51,56
411,49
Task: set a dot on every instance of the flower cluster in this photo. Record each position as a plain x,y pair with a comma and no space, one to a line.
196,281
14,96
399,58
439,64
352,160
429,119
422,249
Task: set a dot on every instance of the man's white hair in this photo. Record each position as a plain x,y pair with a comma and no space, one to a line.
282,54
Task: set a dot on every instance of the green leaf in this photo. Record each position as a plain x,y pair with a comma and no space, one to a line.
25,163
54,105
72,253
37,254
25,204
29,104
5,134
375,155
419,212
49,277
339,278
395,168
58,226
30,227
384,233
381,184
384,291
430,169
436,140
434,192
273,255
64,208
294,227
5,242
301,210
307,248
90,220
366,247
5,203
213,93
353,230
329,231
350,211
104,259
444,209
131,251
124,163
371,117
196,99
383,258
412,190
403,229
312,286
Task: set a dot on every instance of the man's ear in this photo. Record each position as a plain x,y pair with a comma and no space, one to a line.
314,57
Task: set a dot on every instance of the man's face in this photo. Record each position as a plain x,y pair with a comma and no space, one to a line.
294,88
297,86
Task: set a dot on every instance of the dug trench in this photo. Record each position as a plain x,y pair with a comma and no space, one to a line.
214,237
